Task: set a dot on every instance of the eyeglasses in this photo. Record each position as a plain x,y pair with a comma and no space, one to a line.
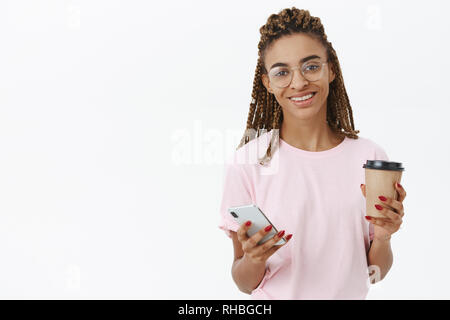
312,71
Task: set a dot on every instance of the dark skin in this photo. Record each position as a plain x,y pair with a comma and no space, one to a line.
243,244
249,265
306,129
380,252
303,128
393,212
383,227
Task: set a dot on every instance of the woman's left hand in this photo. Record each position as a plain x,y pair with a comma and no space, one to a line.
393,214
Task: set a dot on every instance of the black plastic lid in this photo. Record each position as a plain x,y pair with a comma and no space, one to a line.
383,165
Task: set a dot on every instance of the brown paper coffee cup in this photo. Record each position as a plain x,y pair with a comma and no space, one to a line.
380,179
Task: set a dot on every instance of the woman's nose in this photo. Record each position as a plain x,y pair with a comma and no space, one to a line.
298,81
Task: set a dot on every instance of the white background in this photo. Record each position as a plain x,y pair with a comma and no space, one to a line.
116,117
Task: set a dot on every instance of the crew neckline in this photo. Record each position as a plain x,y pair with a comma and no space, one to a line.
313,154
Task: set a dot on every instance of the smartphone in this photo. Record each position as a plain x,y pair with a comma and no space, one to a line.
259,220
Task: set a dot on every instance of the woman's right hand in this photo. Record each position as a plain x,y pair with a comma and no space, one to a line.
259,253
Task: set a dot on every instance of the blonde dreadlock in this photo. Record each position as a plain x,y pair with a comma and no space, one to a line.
265,112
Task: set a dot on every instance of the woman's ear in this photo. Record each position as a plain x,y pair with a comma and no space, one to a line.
265,81
332,75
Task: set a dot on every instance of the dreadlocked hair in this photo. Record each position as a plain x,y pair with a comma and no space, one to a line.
265,113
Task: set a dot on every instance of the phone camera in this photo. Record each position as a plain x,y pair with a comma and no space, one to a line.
234,214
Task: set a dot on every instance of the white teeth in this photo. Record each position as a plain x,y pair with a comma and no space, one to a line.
302,98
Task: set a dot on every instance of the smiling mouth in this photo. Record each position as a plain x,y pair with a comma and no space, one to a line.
304,98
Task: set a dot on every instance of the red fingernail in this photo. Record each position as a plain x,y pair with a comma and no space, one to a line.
399,185
368,218
382,198
288,236
361,185
378,207
268,228
248,223
280,234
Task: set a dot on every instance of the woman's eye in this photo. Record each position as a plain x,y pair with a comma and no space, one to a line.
281,73
312,67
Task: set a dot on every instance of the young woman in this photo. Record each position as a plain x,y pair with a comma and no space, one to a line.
301,115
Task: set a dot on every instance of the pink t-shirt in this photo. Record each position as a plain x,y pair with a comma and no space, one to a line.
316,196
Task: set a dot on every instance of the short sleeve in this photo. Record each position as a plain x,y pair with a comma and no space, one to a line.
380,154
236,192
